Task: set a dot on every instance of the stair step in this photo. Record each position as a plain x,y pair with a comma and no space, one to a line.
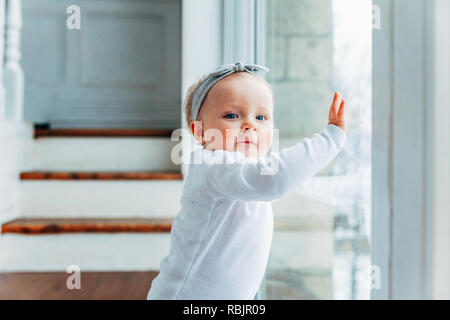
100,132
53,175
97,225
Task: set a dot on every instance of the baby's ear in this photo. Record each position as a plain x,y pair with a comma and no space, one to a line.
197,130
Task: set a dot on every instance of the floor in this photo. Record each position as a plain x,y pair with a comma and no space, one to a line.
94,286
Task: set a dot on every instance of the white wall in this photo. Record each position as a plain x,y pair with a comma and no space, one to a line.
201,48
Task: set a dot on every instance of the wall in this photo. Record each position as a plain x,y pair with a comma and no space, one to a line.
201,52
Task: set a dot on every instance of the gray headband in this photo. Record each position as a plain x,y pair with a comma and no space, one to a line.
220,73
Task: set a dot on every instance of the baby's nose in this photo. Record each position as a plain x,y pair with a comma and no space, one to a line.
250,129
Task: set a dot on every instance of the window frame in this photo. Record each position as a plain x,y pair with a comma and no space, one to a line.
408,243
244,40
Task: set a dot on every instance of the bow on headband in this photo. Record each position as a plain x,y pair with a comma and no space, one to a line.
220,73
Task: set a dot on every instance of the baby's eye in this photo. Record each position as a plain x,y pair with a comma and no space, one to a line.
231,116
260,117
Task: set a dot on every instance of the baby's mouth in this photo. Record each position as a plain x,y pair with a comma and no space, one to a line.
247,142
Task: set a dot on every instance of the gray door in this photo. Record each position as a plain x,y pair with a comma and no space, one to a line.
122,68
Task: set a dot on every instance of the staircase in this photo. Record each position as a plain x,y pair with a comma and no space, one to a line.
100,199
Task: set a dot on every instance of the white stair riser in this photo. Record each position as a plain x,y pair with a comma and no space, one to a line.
143,251
49,198
91,252
105,154
13,138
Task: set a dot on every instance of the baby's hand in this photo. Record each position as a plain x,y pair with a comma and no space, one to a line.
337,116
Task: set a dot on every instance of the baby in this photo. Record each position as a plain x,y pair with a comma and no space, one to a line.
221,238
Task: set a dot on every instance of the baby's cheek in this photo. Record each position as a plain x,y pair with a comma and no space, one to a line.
229,142
267,137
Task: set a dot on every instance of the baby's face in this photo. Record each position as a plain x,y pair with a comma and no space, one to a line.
237,115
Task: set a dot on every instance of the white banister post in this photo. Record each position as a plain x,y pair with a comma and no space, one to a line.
2,91
13,73
15,134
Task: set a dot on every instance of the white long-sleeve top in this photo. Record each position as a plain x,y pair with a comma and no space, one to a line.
221,238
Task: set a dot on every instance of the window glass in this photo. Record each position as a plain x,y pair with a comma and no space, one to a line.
321,246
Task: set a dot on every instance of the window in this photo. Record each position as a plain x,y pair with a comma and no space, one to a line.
320,248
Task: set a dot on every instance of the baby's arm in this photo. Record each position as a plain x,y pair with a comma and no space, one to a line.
290,167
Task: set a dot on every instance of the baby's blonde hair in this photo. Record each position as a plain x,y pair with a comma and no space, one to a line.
188,100
187,106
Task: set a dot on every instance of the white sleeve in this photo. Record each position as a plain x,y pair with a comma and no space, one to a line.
274,176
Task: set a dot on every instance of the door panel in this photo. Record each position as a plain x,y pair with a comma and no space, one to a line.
121,69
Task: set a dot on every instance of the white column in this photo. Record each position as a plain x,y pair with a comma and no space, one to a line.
13,73
5,194
15,134
2,92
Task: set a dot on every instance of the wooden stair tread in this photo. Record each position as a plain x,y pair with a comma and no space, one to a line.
101,175
88,225
100,132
